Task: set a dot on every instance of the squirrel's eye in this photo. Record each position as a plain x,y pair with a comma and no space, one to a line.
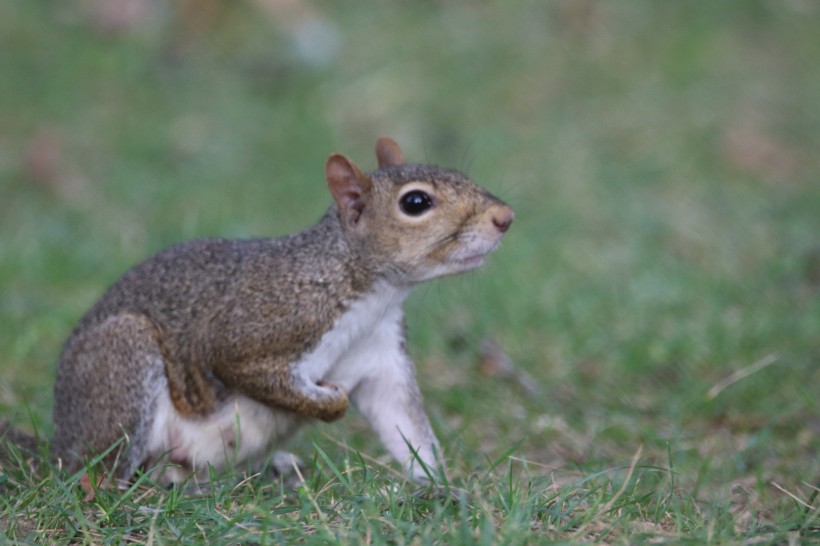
415,202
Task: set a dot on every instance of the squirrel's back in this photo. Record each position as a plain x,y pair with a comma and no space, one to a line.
198,292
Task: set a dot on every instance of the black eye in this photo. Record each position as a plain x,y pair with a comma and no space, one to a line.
415,202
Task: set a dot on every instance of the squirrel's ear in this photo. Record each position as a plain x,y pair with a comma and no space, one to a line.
348,185
389,153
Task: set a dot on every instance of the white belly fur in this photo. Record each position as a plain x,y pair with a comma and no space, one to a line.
243,430
240,430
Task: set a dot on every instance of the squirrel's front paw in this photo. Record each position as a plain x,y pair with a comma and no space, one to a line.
335,403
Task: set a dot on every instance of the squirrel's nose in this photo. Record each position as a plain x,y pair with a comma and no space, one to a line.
502,218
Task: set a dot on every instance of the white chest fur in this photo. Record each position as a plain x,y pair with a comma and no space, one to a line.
358,329
241,429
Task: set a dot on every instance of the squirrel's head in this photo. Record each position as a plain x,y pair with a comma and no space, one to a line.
415,222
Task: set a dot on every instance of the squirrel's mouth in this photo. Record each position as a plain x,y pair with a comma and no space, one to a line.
466,261
473,255
470,262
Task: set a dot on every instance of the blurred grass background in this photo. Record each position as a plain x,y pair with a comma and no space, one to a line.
662,159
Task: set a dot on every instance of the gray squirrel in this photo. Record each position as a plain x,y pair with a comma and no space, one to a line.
215,351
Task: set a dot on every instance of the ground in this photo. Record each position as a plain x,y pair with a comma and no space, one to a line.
640,359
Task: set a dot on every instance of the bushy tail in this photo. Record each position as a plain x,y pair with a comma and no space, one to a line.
12,435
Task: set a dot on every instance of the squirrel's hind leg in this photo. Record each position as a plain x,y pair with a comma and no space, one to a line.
105,392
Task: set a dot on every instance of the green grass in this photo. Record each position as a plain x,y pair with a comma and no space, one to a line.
662,161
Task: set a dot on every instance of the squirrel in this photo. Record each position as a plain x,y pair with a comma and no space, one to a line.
214,351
